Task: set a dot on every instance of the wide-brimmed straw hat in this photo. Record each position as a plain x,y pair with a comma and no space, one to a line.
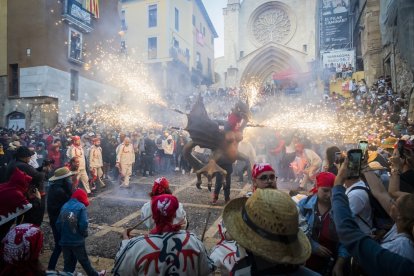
389,143
62,173
267,225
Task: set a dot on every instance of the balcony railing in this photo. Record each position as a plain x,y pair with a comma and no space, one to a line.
74,13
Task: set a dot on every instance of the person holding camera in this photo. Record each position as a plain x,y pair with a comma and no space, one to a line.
402,169
372,257
358,198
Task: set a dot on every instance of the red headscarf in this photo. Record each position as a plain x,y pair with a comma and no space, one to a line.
163,209
160,186
259,168
81,196
21,249
323,179
13,201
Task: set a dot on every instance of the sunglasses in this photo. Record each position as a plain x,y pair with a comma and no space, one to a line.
266,177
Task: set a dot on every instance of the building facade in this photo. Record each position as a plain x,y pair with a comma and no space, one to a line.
175,38
266,37
366,37
50,47
383,36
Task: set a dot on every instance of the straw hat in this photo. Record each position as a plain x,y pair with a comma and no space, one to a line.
61,173
267,224
389,143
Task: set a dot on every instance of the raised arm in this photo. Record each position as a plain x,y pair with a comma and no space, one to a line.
378,190
370,255
396,167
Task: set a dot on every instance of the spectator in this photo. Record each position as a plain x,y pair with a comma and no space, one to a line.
359,204
72,235
368,253
327,254
23,155
13,201
60,191
266,225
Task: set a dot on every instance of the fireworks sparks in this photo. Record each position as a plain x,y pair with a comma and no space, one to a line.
323,122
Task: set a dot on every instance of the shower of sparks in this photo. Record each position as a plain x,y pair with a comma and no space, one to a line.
124,118
324,121
250,91
128,74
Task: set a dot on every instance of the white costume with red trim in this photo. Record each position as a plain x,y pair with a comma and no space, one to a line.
180,218
77,151
96,162
226,253
171,253
125,156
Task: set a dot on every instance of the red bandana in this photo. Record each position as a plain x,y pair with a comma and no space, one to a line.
81,196
160,185
323,179
259,168
163,209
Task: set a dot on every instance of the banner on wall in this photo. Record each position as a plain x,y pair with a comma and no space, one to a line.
340,57
335,24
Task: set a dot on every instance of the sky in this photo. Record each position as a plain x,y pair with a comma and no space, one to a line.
215,11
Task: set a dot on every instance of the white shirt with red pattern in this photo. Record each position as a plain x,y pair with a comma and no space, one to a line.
171,253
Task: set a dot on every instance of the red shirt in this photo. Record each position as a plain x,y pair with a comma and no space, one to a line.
325,234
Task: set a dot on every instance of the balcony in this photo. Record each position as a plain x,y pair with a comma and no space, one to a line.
180,55
74,13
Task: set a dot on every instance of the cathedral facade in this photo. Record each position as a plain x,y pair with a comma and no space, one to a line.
263,38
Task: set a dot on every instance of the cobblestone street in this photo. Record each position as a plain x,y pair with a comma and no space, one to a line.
114,209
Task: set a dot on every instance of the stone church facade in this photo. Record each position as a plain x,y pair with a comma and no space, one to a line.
266,37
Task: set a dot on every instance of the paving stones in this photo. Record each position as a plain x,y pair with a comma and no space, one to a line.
114,209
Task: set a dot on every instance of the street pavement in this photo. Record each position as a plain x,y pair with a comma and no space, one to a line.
113,209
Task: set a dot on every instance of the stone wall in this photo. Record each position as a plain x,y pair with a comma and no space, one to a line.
404,76
45,96
371,42
3,99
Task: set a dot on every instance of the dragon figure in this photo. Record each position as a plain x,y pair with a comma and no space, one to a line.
221,137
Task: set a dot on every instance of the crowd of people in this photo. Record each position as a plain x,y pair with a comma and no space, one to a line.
336,225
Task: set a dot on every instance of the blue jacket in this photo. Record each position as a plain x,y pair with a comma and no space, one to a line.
307,209
374,259
72,223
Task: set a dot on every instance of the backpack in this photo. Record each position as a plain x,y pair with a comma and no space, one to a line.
380,218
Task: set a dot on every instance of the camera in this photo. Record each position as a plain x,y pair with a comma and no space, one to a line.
339,158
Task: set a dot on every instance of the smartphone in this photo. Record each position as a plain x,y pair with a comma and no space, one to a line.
338,157
363,145
354,163
401,144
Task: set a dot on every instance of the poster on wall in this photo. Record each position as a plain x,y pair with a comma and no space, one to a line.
338,58
334,24
16,120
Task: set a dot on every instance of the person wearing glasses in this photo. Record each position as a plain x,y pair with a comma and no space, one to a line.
227,251
328,255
